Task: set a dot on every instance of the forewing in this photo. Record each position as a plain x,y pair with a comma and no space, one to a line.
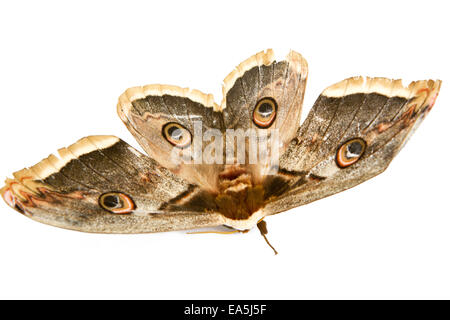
262,76
102,184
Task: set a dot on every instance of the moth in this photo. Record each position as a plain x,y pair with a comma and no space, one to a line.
101,184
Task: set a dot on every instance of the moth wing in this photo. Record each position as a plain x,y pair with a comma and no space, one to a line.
150,111
147,112
262,76
354,130
101,184
262,80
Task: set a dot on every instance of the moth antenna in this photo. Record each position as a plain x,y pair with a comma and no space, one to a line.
262,226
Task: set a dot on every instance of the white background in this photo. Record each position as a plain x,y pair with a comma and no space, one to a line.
63,66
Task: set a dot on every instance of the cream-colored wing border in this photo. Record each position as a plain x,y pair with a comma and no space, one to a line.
28,177
261,58
125,100
384,86
53,163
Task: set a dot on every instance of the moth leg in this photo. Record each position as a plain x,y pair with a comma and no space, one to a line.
262,226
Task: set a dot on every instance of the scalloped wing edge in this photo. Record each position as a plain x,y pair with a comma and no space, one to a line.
267,57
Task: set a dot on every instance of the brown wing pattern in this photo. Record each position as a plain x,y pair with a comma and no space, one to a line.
102,184
147,110
381,112
262,76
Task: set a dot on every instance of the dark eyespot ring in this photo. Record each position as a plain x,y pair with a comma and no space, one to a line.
116,202
350,152
176,134
265,112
